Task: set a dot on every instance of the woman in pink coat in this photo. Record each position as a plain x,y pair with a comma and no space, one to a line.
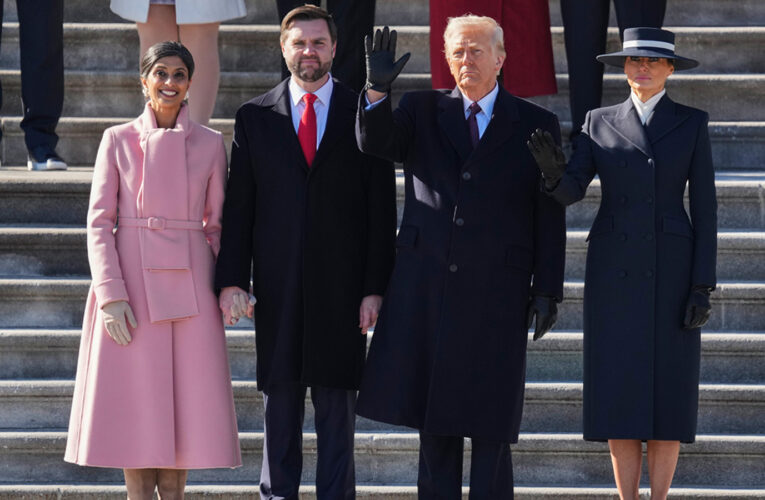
154,398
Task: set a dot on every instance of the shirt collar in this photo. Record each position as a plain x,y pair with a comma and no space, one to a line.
645,109
486,102
322,95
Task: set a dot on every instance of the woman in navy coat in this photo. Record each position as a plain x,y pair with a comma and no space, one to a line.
649,268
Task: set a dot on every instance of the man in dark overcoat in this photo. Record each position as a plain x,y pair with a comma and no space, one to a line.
449,351
314,228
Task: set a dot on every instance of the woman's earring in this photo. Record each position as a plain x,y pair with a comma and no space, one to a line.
145,91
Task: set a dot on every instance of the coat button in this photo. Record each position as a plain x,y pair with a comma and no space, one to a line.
648,236
622,274
466,176
623,236
649,200
453,268
460,221
650,161
649,274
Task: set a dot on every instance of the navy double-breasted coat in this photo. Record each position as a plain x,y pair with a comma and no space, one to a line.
448,354
641,369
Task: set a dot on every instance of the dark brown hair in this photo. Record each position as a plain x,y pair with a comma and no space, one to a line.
307,12
166,49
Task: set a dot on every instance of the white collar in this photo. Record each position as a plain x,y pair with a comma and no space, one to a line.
644,109
486,102
322,94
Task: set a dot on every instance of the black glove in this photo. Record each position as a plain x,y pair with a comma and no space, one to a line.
546,311
381,69
549,157
697,308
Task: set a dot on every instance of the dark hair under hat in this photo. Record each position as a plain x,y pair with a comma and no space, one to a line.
648,42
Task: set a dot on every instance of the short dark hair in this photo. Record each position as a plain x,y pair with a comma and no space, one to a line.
166,49
307,12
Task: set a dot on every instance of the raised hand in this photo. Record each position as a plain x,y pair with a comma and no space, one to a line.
382,69
548,155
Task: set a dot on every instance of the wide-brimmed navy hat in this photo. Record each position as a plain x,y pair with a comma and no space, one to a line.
648,42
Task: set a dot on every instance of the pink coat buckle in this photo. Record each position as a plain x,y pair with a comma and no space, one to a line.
156,223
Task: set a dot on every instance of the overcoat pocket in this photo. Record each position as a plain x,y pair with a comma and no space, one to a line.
676,225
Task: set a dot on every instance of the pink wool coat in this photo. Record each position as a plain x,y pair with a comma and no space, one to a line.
164,400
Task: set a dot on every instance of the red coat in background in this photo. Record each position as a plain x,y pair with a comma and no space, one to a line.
529,69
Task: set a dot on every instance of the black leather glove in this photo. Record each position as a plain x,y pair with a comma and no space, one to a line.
381,68
697,308
549,157
546,311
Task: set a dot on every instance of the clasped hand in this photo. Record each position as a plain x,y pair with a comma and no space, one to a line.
235,303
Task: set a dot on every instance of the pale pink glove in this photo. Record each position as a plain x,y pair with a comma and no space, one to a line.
114,314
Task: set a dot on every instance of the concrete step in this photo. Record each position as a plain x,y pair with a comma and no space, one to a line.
38,302
548,407
61,250
117,93
391,459
114,46
735,145
38,198
726,358
415,12
370,492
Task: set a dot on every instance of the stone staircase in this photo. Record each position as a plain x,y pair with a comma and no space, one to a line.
44,273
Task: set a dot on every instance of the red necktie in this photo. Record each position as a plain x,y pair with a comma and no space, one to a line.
307,129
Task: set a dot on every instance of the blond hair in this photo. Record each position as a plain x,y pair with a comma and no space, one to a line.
455,23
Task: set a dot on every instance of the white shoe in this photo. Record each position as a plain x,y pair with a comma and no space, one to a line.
45,159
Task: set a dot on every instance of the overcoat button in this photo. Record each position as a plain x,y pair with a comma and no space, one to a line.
650,162
649,200
460,222
649,274
466,176
622,274
453,268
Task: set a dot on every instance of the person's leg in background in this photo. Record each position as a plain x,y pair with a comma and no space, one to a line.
41,43
202,42
584,33
354,19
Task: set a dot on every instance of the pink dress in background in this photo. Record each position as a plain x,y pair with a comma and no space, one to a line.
164,400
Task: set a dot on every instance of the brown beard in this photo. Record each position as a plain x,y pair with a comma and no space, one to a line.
310,75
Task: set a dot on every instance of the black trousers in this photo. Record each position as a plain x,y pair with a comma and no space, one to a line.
41,41
440,472
354,20
335,422
585,25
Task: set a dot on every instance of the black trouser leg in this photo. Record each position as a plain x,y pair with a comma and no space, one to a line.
335,422
584,30
41,38
355,19
491,471
639,13
440,470
282,443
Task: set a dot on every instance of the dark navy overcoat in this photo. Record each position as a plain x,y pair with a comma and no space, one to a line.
315,240
641,369
448,354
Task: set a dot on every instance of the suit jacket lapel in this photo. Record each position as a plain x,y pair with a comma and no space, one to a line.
626,123
451,118
664,119
501,126
283,128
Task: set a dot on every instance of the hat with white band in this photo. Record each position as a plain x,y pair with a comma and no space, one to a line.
648,42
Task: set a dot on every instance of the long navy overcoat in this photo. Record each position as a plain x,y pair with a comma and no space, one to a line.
449,351
641,369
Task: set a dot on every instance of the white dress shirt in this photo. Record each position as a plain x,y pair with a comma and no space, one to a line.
644,109
320,106
486,103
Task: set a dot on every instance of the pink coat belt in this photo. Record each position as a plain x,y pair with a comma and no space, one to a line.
160,223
